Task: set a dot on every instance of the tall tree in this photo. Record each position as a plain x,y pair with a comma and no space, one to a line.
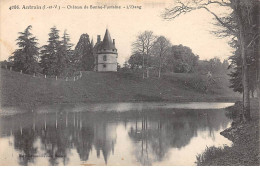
65,64
84,58
51,54
26,57
236,70
143,45
160,48
252,38
242,12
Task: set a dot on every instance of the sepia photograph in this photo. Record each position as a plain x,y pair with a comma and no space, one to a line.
129,83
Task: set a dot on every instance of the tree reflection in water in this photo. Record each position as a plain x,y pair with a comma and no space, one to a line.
153,133
158,132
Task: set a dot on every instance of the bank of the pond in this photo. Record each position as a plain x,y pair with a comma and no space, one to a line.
114,107
28,91
246,142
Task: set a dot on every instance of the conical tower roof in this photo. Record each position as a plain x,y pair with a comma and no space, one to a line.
107,42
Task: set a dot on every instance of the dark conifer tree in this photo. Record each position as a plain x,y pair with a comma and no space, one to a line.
51,54
84,59
65,59
26,57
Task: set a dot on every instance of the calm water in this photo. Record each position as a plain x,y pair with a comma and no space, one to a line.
112,134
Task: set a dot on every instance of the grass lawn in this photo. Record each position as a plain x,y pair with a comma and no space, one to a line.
25,90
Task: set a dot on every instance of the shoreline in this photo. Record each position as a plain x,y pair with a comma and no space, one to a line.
112,106
177,100
246,142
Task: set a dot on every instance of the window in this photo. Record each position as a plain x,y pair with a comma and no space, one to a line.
105,57
104,65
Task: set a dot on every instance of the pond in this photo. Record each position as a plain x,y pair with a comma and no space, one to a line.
112,134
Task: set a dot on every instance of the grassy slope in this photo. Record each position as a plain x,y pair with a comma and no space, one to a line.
25,90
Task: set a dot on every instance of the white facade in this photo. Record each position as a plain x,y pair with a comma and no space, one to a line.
107,62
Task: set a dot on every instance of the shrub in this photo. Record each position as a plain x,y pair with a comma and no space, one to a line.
209,154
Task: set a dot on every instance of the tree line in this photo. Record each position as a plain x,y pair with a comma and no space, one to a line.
242,25
56,58
156,52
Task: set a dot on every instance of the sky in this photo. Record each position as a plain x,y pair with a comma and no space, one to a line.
192,29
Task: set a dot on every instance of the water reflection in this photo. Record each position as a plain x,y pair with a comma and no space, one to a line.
148,137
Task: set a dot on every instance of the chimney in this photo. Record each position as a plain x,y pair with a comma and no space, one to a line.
98,39
114,41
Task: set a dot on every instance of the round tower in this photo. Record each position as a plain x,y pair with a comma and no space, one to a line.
106,54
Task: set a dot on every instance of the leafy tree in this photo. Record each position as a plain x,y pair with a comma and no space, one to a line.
143,45
136,61
51,55
83,56
160,48
26,57
181,59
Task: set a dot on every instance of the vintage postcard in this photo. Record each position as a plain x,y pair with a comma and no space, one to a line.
129,83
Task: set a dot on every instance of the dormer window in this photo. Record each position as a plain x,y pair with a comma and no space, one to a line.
105,58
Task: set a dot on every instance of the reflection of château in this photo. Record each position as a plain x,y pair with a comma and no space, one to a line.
105,138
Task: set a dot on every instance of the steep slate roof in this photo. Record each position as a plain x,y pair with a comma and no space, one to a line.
107,42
